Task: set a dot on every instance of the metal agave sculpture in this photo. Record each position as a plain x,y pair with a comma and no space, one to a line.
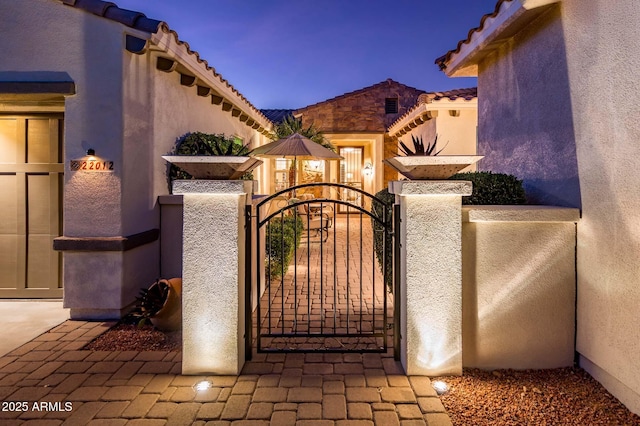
150,301
420,148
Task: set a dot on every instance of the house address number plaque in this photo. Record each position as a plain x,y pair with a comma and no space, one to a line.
91,165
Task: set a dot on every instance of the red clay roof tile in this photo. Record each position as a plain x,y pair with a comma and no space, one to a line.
441,61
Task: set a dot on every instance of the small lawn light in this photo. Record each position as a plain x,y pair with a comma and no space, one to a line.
440,387
203,385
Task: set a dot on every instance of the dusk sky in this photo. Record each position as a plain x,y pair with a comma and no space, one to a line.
293,53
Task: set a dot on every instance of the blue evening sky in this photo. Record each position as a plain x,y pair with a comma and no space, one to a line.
292,53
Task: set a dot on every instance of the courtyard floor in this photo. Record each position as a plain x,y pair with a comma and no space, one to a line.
146,388
324,389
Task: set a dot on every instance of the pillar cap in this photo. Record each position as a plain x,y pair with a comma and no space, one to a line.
430,187
198,186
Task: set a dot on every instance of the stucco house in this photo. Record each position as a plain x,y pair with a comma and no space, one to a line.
558,108
452,116
91,97
366,124
86,77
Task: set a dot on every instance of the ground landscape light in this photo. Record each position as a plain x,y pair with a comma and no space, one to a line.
440,387
203,385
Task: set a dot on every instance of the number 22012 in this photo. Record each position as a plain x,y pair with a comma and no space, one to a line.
96,165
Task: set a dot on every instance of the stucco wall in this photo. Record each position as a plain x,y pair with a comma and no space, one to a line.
603,62
526,125
557,102
128,112
157,111
456,135
518,287
47,37
43,38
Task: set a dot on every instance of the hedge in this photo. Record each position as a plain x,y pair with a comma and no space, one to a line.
492,189
488,189
279,249
378,232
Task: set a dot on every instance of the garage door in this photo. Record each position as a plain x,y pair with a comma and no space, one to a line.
30,198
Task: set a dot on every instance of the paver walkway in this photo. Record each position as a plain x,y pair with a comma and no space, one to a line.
323,295
146,388
72,386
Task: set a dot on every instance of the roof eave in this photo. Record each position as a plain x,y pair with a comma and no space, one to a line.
165,40
511,17
424,112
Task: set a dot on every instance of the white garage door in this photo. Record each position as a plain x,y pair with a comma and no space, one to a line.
31,171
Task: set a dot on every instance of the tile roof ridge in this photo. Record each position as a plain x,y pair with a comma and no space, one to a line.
440,61
358,91
466,93
111,11
278,109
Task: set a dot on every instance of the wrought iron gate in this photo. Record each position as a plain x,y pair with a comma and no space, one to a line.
319,286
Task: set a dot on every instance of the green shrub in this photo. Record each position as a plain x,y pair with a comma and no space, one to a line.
488,188
378,233
282,236
492,188
198,143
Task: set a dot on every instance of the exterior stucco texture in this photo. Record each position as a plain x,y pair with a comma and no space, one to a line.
557,106
526,128
518,296
603,64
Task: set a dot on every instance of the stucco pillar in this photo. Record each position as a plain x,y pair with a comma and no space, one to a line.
431,275
213,261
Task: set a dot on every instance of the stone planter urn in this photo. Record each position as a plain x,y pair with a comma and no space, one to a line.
211,167
434,167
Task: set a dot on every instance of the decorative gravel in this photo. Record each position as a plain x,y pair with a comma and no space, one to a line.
129,337
565,396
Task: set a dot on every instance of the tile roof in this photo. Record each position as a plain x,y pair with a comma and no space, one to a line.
444,58
111,11
356,92
277,115
139,21
467,94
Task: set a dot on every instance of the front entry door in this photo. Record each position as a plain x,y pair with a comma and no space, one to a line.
31,171
350,175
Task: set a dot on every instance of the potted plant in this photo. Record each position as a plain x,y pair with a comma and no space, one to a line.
424,163
210,156
161,304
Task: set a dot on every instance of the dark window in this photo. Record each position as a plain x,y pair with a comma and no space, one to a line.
391,106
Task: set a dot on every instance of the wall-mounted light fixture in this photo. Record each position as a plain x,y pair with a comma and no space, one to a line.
454,112
91,151
368,169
